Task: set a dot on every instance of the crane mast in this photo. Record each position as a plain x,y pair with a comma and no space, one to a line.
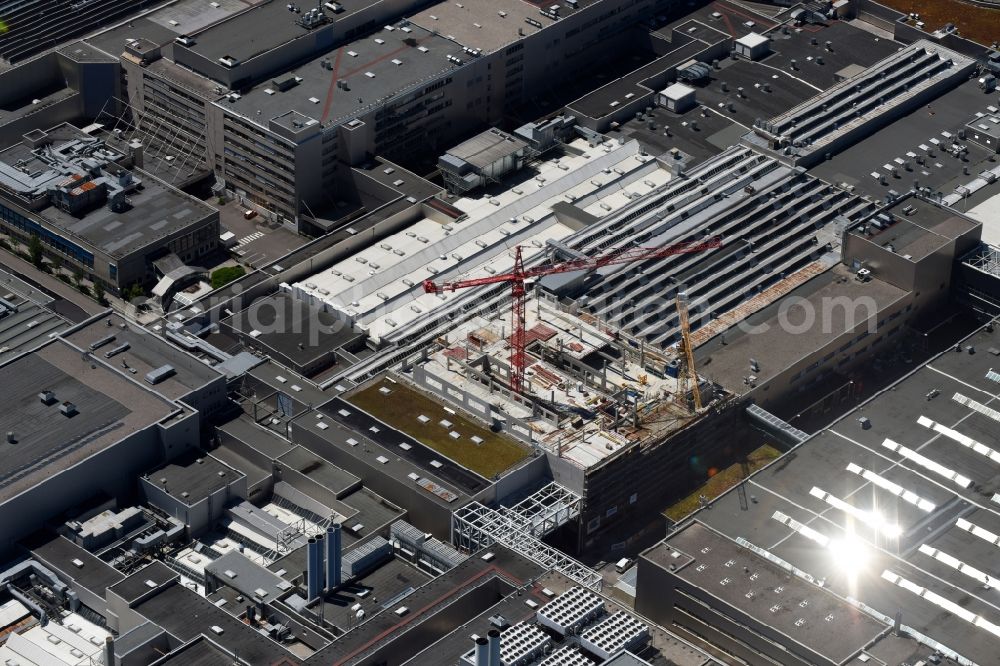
688,373
518,274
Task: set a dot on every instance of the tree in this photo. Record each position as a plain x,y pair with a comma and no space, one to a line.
57,264
77,274
134,292
35,250
99,292
225,275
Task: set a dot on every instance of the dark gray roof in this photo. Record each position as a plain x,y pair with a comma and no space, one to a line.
40,431
416,66
199,652
740,578
195,473
138,584
500,573
59,553
147,351
109,408
337,480
187,615
292,328
156,211
835,462
948,113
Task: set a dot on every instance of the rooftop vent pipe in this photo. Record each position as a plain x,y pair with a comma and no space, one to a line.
482,651
333,554
313,571
494,640
321,547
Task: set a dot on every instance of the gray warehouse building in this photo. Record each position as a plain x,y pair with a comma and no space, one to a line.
94,209
873,540
82,425
277,105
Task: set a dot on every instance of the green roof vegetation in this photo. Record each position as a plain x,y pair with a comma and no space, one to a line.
402,407
722,481
225,275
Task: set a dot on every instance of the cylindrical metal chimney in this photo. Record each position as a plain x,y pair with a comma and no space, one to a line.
494,639
109,651
313,574
321,553
482,651
333,552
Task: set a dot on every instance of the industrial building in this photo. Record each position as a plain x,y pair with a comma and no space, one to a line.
277,104
101,396
860,104
69,84
417,439
96,210
33,27
878,530
389,606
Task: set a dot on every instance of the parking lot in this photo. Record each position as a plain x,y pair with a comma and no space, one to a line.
258,240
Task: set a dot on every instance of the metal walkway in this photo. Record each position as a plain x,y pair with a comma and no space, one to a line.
521,528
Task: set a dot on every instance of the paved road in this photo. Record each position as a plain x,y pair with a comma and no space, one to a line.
69,302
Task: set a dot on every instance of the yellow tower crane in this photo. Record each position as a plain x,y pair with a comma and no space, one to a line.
687,373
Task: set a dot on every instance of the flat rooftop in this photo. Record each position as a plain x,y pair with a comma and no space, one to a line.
292,328
776,347
382,591
918,228
147,351
920,139
109,408
338,481
486,25
740,578
347,423
913,493
372,70
156,211
62,554
816,63
264,26
197,474
431,599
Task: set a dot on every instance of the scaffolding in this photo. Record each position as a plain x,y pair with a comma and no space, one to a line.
521,528
985,258
547,509
172,153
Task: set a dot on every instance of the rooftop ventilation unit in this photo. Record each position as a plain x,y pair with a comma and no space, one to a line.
106,340
67,409
47,397
160,374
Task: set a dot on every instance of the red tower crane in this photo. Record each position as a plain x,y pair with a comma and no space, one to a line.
519,274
